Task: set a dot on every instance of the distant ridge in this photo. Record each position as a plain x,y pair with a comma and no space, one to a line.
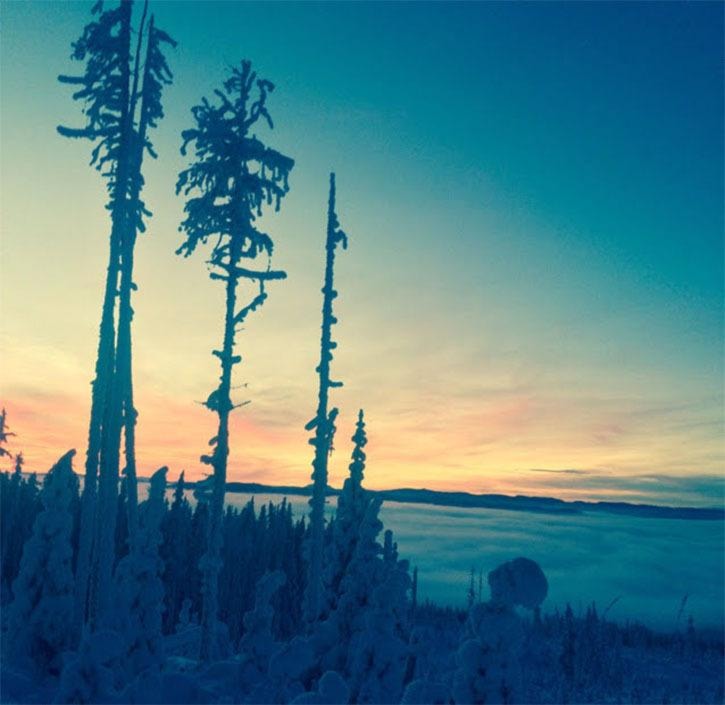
521,503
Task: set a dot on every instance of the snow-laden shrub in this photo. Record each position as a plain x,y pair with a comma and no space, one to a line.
40,619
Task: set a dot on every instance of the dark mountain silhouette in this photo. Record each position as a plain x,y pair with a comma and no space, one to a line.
521,503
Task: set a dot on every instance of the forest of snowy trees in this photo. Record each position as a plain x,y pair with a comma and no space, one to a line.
180,598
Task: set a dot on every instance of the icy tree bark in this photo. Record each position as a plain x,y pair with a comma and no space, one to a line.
324,421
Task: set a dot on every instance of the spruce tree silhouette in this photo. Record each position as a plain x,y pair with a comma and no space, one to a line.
120,102
323,423
234,177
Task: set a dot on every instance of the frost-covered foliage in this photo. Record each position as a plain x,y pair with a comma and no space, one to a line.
379,654
365,637
89,675
258,643
489,657
19,505
351,505
180,568
234,177
489,669
139,589
323,423
40,618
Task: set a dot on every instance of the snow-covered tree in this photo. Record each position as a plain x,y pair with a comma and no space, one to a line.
176,552
19,506
258,644
90,673
323,423
379,654
234,177
139,589
351,506
121,100
371,616
489,657
363,638
40,617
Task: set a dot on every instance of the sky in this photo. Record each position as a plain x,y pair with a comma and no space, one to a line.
532,298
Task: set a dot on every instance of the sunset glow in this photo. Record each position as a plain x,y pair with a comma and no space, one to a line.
531,302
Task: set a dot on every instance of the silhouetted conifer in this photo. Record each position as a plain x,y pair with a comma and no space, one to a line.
233,178
323,423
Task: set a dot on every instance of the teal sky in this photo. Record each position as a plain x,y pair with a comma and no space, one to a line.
534,197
